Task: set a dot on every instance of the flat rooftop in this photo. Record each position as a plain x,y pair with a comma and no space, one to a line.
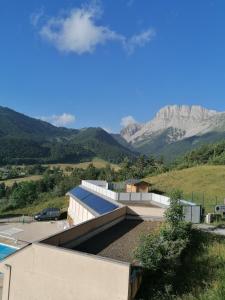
119,241
139,203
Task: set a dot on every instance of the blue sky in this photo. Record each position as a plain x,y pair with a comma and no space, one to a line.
81,63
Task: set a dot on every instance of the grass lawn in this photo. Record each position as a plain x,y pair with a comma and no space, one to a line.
9,182
201,275
202,184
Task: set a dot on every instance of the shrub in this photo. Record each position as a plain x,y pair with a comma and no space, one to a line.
150,251
162,250
174,214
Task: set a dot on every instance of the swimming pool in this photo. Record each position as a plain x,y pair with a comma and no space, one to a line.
6,250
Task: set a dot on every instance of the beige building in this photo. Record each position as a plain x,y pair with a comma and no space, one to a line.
91,261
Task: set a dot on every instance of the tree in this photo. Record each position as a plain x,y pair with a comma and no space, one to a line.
2,190
24,194
91,172
162,250
174,214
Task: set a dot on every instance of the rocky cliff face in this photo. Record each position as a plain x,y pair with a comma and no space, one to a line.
182,121
129,131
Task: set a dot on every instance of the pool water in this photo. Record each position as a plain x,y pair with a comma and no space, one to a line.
6,250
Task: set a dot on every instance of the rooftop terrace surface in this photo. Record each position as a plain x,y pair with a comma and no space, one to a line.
119,241
138,203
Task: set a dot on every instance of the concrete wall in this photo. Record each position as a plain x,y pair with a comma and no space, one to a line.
146,212
101,183
84,228
99,189
130,196
46,272
160,199
78,213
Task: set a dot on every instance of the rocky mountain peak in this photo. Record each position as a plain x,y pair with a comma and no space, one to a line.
188,120
184,111
128,131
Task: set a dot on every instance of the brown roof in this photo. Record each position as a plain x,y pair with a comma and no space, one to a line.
136,181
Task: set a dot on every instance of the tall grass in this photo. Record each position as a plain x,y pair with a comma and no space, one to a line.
201,275
205,275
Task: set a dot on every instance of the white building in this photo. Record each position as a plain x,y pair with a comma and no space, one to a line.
93,198
90,200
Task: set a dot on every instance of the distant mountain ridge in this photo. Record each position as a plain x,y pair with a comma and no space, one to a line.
28,140
175,129
14,124
172,132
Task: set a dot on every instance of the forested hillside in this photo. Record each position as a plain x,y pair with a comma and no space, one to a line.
213,154
28,140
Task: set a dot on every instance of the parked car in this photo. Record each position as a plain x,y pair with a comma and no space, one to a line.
48,214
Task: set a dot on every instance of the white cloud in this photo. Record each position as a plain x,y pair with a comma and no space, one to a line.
139,40
78,32
60,120
128,120
35,17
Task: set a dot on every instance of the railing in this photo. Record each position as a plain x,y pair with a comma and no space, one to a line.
18,219
100,190
163,200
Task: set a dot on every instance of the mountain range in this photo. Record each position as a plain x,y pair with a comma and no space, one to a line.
28,140
174,130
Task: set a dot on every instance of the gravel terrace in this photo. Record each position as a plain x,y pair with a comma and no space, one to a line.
119,241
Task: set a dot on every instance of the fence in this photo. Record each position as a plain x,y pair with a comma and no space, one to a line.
19,219
102,188
206,200
99,189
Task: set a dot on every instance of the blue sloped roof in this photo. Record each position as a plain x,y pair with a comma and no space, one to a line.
97,203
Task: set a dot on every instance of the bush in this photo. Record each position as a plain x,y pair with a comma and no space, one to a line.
162,250
174,214
25,193
150,252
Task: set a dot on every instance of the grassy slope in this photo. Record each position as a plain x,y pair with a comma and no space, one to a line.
9,182
201,275
209,180
97,162
203,271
